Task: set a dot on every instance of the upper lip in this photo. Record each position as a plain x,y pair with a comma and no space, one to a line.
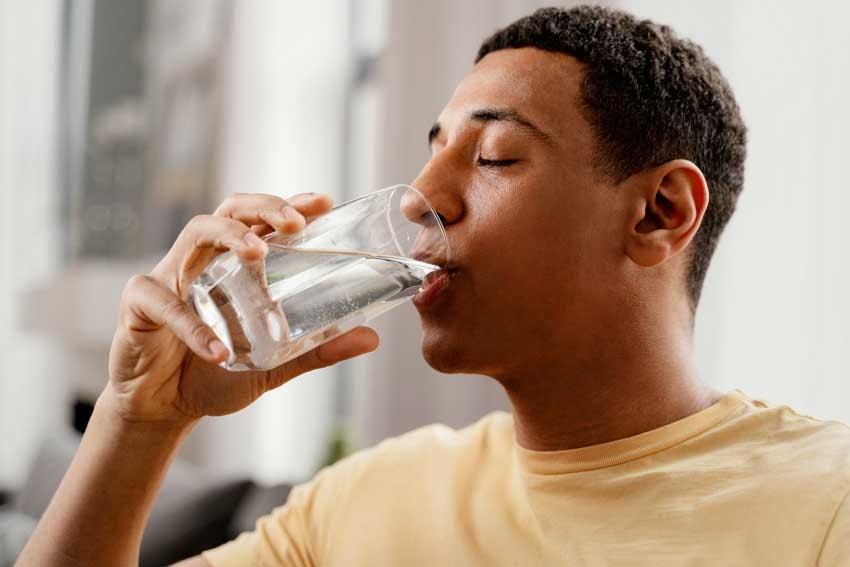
437,260
429,278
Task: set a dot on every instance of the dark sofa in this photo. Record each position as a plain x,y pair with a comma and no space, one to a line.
194,511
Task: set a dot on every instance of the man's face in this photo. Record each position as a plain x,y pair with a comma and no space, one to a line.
535,236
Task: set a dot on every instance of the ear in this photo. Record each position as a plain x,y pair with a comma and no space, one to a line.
670,201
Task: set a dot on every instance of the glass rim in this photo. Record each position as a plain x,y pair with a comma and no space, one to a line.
393,188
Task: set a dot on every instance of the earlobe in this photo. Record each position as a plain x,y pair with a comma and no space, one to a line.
672,199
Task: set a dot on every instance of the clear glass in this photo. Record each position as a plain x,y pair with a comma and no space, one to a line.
346,267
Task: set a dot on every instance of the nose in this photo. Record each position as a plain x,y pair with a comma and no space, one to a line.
440,188
439,185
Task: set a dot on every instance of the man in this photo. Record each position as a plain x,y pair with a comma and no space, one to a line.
585,168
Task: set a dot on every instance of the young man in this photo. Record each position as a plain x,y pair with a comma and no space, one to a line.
585,169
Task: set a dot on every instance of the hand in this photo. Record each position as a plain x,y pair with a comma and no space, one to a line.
163,359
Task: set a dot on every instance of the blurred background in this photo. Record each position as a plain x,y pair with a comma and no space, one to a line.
121,119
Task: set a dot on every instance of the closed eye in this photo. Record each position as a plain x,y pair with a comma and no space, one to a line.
483,162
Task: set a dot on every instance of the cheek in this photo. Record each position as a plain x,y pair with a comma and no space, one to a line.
509,252
535,240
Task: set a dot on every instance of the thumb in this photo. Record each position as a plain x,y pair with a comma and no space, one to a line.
355,342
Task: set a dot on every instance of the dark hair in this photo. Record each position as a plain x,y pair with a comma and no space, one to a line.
650,97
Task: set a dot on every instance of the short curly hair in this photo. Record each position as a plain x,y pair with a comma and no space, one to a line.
650,97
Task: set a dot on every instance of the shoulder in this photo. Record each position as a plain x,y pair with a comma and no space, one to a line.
788,461
383,486
434,446
409,475
789,439
419,460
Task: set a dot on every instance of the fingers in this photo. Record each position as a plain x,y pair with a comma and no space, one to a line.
355,342
311,204
147,305
220,234
202,239
235,226
285,216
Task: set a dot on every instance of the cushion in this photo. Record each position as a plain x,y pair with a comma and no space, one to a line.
45,473
15,530
192,511
191,514
259,501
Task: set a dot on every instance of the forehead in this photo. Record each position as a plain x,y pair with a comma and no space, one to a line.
542,86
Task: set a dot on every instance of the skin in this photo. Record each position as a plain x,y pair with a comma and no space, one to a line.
566,287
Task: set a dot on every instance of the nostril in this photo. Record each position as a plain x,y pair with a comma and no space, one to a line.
427,219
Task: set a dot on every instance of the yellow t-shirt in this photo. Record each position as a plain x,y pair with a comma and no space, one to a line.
740,483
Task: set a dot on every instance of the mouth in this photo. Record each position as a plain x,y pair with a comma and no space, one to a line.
433,287
431,257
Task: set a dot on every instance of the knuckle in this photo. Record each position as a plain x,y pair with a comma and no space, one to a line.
197,221
204,228
310,360
174,310
295,367
232,231
132,296
319,360
136,283
199,333
232,225
282,374
273,202
228,204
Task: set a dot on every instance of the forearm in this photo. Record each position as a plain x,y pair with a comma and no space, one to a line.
99,512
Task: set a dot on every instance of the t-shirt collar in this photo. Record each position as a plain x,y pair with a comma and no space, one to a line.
630,448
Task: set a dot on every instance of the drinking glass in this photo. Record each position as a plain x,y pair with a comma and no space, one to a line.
348,266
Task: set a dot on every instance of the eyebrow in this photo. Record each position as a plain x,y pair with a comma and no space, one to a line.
509,115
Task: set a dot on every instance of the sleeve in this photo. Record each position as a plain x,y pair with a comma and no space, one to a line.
284,538
836,546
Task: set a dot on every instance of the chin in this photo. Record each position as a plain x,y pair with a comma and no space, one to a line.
444,353
453,352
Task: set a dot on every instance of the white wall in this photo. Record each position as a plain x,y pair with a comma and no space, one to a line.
774,318
32,391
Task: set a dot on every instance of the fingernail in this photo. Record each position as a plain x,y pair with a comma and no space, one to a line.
217,348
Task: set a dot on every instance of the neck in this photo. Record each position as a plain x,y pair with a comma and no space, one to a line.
621,381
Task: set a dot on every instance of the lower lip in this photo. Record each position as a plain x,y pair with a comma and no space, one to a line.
431,292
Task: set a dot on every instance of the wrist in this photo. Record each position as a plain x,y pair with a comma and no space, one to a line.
111,407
